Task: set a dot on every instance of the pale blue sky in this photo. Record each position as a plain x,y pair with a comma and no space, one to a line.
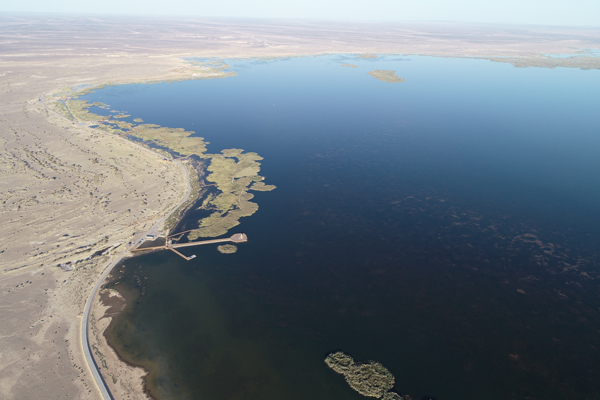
547,12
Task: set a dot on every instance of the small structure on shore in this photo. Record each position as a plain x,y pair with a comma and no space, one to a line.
68,266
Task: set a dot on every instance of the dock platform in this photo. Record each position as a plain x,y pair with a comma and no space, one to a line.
236,238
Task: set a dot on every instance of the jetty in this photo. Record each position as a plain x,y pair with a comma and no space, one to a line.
169,245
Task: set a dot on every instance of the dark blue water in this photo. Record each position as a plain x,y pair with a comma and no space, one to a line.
446,226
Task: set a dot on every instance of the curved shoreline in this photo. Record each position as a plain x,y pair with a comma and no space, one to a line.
229,154
91,362
102,387
84,328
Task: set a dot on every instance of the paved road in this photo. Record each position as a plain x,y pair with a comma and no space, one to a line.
87,351
86,315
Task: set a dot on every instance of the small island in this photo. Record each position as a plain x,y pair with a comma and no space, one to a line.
368,378
350,65
386,76
227,248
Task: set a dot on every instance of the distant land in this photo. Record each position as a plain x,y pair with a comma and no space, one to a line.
74,194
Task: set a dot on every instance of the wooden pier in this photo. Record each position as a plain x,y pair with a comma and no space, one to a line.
237,238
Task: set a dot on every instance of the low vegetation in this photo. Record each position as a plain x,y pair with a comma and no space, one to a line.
232,172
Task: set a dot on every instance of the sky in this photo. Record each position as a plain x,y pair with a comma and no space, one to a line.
539,12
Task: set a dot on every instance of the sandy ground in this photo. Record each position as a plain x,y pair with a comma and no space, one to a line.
124,381
68,191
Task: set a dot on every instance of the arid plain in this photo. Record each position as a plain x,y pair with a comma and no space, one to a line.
69,191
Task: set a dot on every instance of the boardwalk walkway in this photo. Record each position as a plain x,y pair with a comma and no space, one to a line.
237,238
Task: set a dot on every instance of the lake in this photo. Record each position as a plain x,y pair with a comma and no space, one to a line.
446,226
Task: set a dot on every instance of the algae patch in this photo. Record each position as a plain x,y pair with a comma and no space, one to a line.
368,378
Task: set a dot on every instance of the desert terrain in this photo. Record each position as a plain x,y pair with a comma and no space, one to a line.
74,194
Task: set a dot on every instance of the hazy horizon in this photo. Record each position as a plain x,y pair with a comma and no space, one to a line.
577,13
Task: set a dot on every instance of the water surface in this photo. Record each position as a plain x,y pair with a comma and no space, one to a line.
446,226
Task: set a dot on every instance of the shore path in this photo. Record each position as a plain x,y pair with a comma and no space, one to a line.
85,344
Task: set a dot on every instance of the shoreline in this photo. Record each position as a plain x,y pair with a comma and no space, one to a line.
130,371
126,378
131,381
101,348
